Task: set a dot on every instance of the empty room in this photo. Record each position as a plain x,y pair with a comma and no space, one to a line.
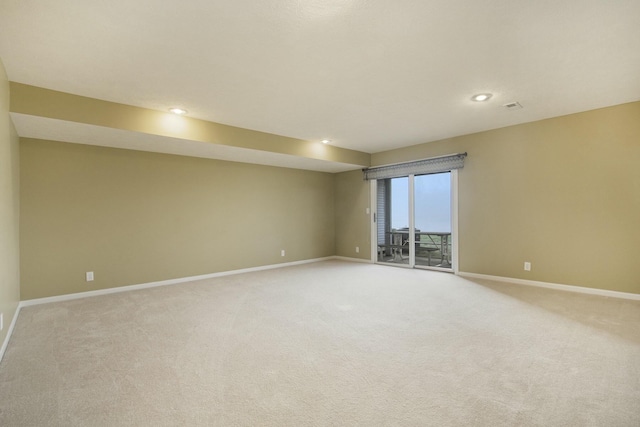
319,213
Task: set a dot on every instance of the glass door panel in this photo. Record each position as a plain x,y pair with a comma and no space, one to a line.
393,221
432,216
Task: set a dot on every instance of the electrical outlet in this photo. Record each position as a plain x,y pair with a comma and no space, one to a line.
357,249
527,266
89,276
282,252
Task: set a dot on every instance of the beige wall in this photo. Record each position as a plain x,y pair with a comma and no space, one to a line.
352,220
9,210
136,217
562,193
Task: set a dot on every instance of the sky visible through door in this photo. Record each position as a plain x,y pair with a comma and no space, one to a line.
432,202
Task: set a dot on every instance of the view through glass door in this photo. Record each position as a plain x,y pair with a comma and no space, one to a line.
414,221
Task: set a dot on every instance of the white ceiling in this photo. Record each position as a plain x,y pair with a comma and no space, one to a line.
369,75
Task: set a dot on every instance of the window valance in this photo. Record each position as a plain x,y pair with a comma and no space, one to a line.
419,167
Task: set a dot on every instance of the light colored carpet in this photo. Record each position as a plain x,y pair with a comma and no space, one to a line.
326,344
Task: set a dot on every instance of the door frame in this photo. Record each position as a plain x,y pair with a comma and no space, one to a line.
373,195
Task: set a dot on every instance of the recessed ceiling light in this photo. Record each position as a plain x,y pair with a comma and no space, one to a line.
326,141
178,111
481,97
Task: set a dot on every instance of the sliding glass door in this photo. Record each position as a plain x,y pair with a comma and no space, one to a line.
414,221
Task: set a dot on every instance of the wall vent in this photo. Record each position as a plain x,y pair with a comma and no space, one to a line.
512,106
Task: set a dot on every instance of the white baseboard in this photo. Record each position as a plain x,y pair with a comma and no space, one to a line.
344,258
9,332
556,286
68,297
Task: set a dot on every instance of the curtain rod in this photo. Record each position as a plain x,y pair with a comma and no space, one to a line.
412,161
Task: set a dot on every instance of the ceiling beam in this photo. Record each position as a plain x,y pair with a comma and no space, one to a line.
37,101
